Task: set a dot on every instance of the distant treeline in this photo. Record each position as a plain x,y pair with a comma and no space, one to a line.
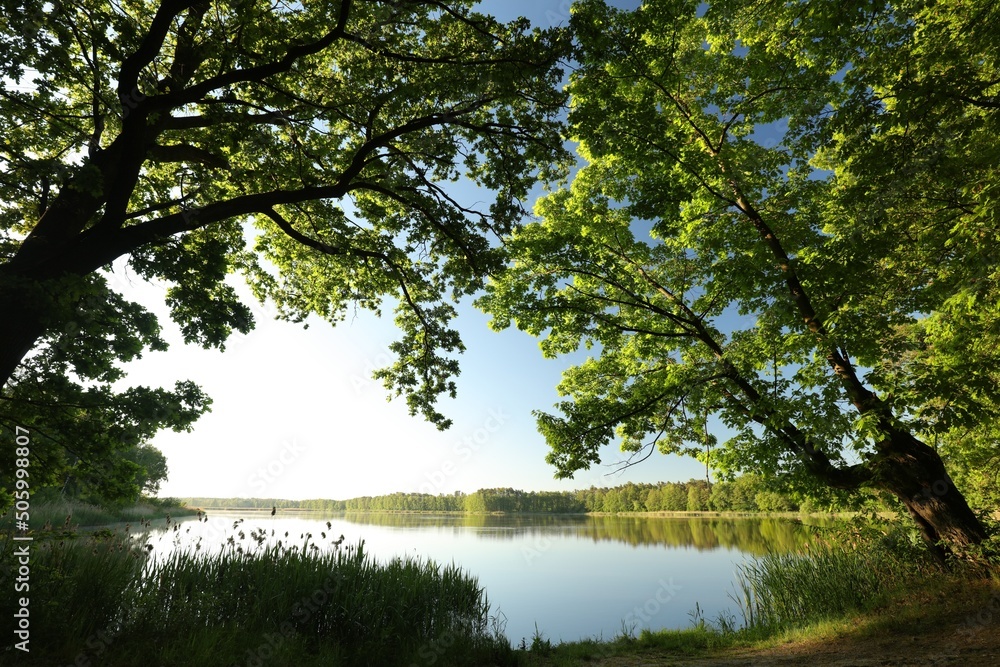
744,494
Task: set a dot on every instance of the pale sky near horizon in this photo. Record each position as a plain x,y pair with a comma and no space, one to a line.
297,415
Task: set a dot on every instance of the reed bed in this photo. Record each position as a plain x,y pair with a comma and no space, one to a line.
827,579
105,600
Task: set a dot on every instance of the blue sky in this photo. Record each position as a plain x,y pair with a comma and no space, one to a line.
297,415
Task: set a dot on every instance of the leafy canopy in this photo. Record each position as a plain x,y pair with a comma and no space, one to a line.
310,148
782,223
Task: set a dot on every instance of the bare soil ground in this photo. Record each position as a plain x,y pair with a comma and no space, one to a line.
981,649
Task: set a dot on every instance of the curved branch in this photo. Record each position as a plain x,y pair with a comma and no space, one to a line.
293,55
285,226
863,398
128,76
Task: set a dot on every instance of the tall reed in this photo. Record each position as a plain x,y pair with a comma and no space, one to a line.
824,580
104,600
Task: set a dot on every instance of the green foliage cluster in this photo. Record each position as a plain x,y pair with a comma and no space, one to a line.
307,149
746,493
403,502
782,225
103,599
106,490
514,501
973,459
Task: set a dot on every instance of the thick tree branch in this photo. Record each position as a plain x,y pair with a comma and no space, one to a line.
199,90
863,399
195,122
152,43
102,245
760,412
186,153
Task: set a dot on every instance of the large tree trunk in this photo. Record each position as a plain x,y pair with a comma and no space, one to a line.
21,325
916,475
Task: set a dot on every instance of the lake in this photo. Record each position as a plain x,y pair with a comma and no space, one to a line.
572,576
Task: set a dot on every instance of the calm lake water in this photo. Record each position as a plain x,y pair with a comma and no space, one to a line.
572,576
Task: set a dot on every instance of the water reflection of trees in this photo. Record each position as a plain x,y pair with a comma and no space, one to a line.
756,536
750,535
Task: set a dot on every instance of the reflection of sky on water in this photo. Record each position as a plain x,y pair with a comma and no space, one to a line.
575,576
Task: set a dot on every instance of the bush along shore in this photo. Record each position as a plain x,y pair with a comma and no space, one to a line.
103,599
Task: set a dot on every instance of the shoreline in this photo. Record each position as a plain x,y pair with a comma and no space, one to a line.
953,620
704,514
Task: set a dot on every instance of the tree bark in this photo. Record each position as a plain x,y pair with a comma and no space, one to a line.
916,475
23,318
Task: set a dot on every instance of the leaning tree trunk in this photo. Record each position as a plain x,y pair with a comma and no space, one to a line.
916,475
21,325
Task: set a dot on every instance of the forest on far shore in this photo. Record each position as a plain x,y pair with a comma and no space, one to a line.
746,493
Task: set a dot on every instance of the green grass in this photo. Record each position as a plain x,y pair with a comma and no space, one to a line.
688,642
72,514
101,598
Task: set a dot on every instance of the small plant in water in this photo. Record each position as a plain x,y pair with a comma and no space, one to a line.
627,632
539,644
698,617
726,622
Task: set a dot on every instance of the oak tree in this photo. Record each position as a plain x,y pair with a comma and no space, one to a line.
785,222
310,149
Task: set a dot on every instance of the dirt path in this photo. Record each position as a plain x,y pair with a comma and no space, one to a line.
981,649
